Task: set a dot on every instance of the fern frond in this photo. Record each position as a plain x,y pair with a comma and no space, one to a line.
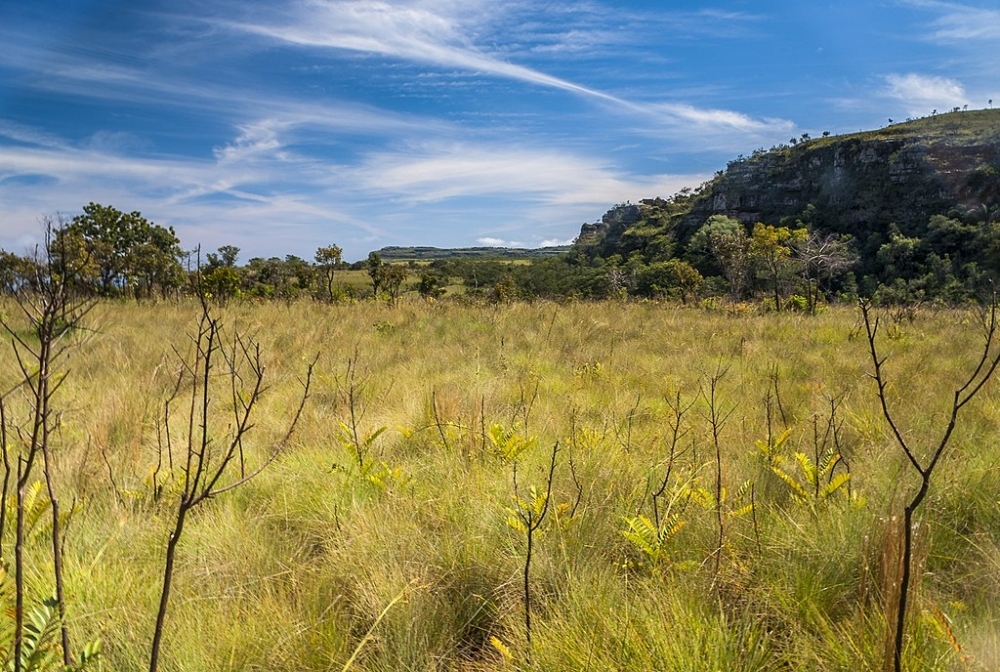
835,484
40,631
809,471
828,463
793,485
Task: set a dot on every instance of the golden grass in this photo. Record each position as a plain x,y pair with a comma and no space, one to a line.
292,570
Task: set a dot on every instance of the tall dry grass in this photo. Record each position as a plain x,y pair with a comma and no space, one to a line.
294,570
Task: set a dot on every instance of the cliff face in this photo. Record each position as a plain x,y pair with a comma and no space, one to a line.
861,183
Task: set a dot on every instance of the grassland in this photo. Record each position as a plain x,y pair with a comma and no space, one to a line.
413,560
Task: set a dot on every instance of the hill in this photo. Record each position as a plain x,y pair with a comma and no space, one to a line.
926,189
862,182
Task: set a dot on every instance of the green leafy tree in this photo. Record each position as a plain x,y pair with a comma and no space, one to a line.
224,257
119,253
393,276
154,263
15,272
771,250
676,279
503,291
328,260
899,259
725,240
374,267
220,278
429,286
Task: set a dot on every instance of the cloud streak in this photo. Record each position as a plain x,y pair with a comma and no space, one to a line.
962,23
413,32
544,176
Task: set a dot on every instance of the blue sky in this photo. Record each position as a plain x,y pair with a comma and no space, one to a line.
283,126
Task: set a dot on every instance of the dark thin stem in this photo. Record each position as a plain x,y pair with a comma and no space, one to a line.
6,473
532,520
986,366
717,419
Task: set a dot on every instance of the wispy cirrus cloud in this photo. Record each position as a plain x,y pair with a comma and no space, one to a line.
362,121
542,175
409,31
723,118
963,22
444,35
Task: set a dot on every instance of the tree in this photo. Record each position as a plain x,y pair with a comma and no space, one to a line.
328,259
771,250
822,256
429,286
387,278
154,263
726,240
392,279
375,265
898,258
224,257
674,278
15,272
220,277
119,253
298,276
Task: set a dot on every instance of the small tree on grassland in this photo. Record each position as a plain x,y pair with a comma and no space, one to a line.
771,249
725,239
328,259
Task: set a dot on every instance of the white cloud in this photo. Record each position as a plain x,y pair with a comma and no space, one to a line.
407,31
923,93
28,135
555,242
259,195
499,242
545,176
726,119
255,140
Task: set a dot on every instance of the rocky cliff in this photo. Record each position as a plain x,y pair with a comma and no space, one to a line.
862,182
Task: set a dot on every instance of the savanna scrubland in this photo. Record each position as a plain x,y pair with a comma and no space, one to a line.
709,488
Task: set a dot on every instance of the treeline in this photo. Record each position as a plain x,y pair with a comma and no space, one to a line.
653,249
112,254
645,250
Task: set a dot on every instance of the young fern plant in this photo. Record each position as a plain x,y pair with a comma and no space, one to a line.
770,450
509,444
653,541
362,464
807,484
40,645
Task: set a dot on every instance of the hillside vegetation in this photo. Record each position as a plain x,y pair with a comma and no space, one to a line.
909,211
